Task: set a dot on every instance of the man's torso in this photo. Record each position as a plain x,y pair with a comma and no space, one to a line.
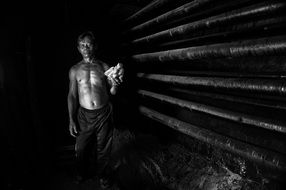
91,85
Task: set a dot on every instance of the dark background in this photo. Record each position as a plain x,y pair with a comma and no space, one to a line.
38,46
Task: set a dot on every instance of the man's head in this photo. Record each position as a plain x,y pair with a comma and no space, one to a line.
87,44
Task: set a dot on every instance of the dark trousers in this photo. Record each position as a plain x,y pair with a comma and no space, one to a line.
93,145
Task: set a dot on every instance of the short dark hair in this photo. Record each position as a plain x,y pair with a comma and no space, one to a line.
88,34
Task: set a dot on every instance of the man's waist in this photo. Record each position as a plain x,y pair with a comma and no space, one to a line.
91,108
93,103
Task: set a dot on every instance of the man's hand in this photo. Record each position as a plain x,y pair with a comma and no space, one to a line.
120,72
73,130
115,74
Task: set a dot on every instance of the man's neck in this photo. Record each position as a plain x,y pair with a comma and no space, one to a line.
89,59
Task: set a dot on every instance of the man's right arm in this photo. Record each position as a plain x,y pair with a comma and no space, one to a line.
72,102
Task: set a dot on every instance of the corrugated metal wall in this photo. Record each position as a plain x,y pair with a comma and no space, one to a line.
214,70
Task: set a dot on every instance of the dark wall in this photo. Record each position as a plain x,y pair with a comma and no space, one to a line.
203,69
53,51
38,47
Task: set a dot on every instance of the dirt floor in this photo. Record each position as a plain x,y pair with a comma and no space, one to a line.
142,163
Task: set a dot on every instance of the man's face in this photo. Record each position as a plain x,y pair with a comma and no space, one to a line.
86,47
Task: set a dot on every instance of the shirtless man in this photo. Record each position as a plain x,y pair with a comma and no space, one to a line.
90,112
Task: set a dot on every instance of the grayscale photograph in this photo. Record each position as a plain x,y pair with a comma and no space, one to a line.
143,95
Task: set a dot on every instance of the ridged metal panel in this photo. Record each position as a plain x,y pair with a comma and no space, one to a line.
227,67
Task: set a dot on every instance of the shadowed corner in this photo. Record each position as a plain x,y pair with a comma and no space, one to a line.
137,161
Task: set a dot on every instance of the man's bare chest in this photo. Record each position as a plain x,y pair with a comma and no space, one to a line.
91,75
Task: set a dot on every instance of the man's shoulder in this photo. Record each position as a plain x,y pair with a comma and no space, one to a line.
75,67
